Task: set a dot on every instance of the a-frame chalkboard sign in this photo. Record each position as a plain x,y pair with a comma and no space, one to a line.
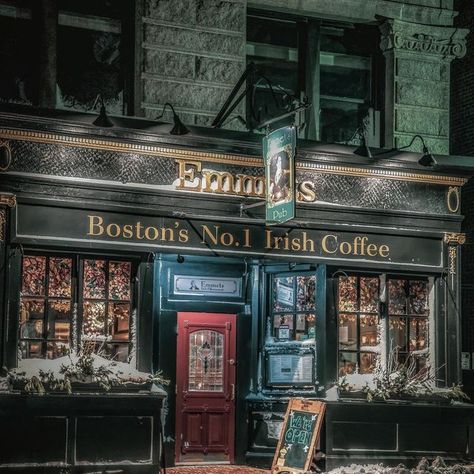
299,436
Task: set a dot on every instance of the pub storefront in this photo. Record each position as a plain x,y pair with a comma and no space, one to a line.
144,249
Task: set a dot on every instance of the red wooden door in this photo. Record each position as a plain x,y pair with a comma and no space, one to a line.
205,383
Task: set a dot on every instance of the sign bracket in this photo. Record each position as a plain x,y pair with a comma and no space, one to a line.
244,207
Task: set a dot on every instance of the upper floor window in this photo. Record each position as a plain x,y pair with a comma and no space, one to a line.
331,64
86,44
17,80
59,309
90,55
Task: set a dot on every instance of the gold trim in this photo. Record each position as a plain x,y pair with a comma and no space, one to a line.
453,238
240,160
3,222
452,255
4,143
453,190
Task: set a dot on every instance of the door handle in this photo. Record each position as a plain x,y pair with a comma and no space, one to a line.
232,396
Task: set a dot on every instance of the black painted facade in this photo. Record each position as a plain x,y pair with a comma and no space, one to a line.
70,182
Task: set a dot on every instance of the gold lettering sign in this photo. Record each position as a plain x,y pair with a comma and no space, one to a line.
220,236
191,177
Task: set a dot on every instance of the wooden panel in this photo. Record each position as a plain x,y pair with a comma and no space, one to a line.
216,429
433,437
33,440
112,439
193,430
361,435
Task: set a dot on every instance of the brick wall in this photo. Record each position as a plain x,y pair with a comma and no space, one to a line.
462,143
193,54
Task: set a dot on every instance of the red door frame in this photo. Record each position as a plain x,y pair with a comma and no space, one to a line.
226,325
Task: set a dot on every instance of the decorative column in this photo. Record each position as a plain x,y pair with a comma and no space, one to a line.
452,248
7,202
417,79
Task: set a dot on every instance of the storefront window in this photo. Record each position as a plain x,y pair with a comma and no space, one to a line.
364,341
48,294
359,316
293,307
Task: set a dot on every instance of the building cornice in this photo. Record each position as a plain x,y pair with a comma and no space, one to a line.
229,159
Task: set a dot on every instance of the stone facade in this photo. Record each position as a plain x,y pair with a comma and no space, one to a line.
417,90
193,54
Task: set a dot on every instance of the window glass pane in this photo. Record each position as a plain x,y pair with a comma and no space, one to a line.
206,356
340,119
369,295
57,349
347,363
311,325
119,280
283,324
347,331
60,274
345,76
367,362
306,293
283,293
31,350
348,294
94,279
396,297
59,319
33,276
93,322
119,321
118,352
418,334
419,297
398,334
31,318
272,47
368,330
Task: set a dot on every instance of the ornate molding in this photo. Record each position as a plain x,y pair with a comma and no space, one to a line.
453,238
3,222
7,199
453,199
230,159
452,256
5,155
447,43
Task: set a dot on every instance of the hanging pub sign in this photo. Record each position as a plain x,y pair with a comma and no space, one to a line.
299,436
279,149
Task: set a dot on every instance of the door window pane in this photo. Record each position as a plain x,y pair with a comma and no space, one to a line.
206,361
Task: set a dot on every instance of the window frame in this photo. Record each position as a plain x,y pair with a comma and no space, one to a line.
308,66
44,339
292,347
77,295
384,315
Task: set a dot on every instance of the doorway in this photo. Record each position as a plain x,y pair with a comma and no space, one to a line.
205,388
